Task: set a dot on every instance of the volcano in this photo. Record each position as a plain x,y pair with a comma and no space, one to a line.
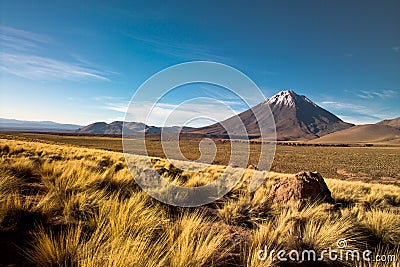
296,118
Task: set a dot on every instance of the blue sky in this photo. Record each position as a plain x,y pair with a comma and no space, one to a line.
81,61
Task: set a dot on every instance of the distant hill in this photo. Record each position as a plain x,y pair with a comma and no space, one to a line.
368,133
112,128
296,118
393,122
40,126
115,128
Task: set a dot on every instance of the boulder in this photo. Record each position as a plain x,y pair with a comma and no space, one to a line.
304,186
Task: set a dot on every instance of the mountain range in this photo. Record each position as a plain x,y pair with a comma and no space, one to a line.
115,128
296,117
39,126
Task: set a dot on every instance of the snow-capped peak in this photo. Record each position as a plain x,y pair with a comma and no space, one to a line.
283,98
289,98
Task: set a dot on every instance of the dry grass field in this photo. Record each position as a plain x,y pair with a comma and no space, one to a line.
371,164
63,205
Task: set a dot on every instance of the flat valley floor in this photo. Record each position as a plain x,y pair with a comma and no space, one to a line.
376,163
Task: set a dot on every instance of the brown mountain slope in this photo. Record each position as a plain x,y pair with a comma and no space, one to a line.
112,128
296,118
393,122
368,133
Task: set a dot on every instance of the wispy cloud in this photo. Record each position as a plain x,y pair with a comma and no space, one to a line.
358,114
180,49
21,40
396,49
107,98
117,106
113,103
165,114
341,105
38,68
359,119
198,114
383,94
20,57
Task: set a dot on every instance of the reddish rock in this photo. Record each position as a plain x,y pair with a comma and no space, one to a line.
301,187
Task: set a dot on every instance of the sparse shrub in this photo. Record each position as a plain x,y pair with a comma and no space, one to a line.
81,207
5,149
315,227
267,236
198,241
9,184
22,168
384,225
119,166
120,184
55,248
105,162
19,214
237,212
392,199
